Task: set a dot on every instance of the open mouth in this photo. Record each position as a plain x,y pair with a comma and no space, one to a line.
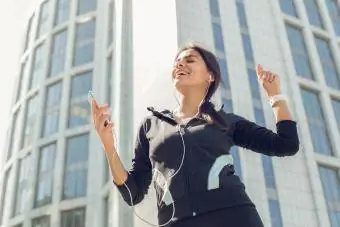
181,73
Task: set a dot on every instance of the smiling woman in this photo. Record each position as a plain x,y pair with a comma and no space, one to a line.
194,135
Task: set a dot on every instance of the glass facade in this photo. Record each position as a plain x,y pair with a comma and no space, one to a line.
23,186
50,105
45,178
331,188
78,106
73,218
58,55
299,52
84,43
75,170
316,122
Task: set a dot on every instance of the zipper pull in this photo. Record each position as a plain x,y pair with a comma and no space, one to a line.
181,129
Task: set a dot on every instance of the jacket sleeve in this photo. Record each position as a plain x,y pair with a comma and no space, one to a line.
140,175
249,135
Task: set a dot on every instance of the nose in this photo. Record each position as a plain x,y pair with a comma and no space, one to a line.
179,64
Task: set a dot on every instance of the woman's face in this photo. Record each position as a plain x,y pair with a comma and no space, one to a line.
190,70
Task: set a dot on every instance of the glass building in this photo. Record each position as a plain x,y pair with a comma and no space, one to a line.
54,171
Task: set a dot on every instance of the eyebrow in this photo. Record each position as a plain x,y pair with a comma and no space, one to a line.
188,56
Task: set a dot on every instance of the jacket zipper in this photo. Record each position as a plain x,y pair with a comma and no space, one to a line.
186,168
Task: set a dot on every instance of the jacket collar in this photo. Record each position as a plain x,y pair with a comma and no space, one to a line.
165,115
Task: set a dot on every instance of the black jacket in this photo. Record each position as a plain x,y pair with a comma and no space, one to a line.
206,179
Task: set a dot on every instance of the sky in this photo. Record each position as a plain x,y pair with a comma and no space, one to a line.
11,25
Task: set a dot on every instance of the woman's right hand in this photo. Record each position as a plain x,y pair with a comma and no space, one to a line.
105,131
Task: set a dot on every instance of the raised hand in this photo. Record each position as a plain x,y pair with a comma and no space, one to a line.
103,125
269,81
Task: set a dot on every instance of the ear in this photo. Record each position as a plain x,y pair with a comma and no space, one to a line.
211,78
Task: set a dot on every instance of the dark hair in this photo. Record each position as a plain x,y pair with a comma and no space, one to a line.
207,107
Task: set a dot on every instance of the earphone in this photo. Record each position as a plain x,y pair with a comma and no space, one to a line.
210,78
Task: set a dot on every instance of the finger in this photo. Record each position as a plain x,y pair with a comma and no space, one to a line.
269,75
259,70
272,77
94,107
264,76
102,109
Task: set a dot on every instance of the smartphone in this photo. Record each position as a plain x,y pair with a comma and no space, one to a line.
91,97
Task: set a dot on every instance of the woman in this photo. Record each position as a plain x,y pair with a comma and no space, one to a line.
189,148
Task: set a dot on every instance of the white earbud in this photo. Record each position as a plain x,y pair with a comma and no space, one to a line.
210,78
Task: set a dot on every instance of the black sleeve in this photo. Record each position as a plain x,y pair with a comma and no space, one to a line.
140,175
251,136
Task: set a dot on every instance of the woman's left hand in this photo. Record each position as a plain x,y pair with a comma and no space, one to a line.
269,80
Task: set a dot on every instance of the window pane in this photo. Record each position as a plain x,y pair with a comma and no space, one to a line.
28,32
302,66
73,218
336,108
77,150
75,178
22,75
218,37
268,171
75,184
275,213
45,175
15,134
254,84
3,195
84,43
38,66
43,18
63,11
316,123
328,65
52,109
30,118
224,72
259,117
288,7
109,80
299,52
58,53
110,22
331,189
248,50
85,6
23,186
228,105
214,8
334,218
79,108
334,13
313,13
242,18
41,222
